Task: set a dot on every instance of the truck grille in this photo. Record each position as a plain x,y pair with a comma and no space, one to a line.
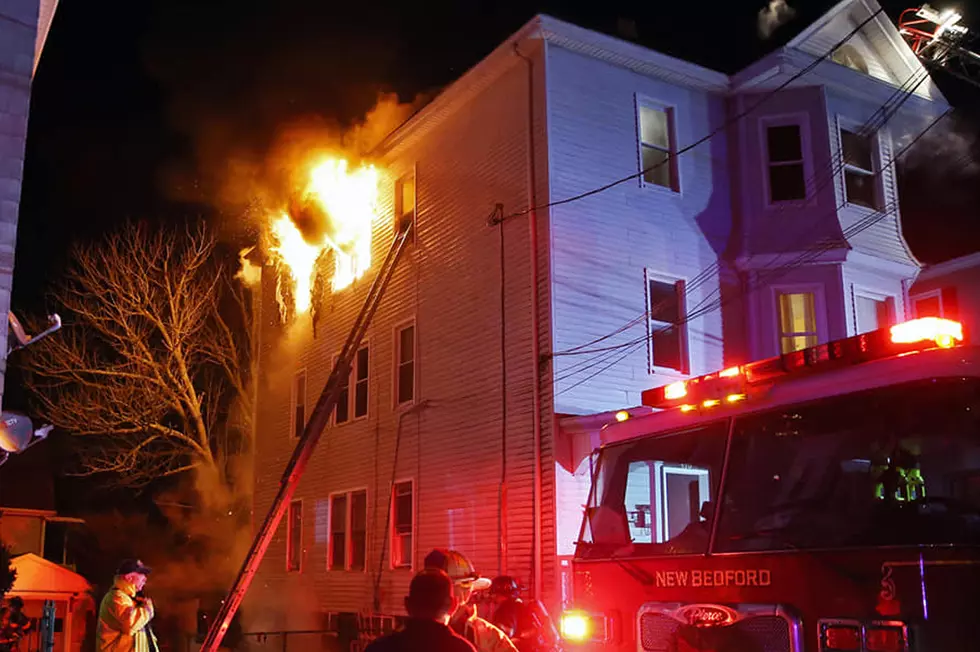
753,632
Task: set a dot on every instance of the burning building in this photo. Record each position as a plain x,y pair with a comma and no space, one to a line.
525,300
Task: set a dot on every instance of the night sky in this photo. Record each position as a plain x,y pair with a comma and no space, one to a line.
134,103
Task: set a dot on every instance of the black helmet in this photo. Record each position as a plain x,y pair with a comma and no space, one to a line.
505,585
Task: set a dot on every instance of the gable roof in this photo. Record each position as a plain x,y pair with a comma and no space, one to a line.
38,577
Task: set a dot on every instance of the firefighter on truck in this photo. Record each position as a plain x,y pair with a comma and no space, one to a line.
824,500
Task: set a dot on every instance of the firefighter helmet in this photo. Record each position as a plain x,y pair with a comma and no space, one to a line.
505,585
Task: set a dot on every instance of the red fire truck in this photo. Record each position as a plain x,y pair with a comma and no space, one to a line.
826,499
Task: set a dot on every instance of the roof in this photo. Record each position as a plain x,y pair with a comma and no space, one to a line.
768,71
38,577
950,266
958,362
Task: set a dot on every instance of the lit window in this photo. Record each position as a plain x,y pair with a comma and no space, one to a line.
299,404
929,306
797,321
860,179
668,332
403,518
348,531
657,147
404,202
405,374
872,314
294,536
785,159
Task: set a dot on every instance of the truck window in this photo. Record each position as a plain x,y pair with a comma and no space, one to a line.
892,466
655,495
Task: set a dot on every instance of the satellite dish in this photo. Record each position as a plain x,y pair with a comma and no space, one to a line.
16,431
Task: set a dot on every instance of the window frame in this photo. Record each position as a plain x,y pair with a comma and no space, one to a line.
348,494
928,294
802,121
819,309
394,536
351,389
397,364
641,101
680,288
290,534
860,292
397,200
293,396
851,126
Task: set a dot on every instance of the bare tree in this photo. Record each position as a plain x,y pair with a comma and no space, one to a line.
152,366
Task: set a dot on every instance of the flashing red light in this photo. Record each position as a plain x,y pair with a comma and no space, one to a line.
884,639
841,637
944,332
734,384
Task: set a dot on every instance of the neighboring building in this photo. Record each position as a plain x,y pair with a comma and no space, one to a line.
38,543
24,26
456,428
950,289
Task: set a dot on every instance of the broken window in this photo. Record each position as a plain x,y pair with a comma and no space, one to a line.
656,147
405,374
786,170
294,536
403,517
404,202
299,404
797,321
667,328
860,178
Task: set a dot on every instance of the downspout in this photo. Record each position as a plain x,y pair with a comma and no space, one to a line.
532,223
502,492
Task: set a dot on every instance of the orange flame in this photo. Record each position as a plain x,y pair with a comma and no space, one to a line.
349,199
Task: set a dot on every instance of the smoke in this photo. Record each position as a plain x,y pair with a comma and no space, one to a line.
948,151
774,15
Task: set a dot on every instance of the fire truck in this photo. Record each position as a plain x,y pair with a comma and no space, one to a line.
826,499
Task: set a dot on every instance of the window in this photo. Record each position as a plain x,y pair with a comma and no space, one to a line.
893,466
405,373
871,313
937,303
403,521
785,160
929,306
348,531
356,401
361,383
299,404
405,202
797,321
668,332
860,179
656,496
294,536
657,146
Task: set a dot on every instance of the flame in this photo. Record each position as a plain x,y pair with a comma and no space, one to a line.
249,273
349,201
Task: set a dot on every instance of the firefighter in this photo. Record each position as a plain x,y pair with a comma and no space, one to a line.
431,599
16,625
124,615
526,623
484,636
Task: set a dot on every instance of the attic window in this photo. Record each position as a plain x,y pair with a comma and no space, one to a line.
847,55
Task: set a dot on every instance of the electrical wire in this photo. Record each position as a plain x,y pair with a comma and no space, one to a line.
724,125
807,256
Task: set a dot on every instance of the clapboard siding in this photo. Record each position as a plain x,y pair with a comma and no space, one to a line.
603,245
452,447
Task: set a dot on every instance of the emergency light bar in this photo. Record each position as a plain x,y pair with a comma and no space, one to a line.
735,383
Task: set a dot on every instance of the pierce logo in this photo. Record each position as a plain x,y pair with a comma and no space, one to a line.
706,615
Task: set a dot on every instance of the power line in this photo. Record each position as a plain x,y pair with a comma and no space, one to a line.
860,226
724,125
